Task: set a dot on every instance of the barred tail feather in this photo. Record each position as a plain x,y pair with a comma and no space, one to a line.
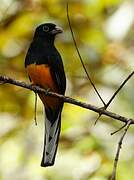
52,131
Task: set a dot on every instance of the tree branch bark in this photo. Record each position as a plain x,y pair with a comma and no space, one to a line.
113,177
36,89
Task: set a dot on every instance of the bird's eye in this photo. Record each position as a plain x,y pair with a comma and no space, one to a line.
45,28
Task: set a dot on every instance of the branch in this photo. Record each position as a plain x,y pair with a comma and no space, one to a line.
113,96
122,127
80,57
113,177
66,99
121,86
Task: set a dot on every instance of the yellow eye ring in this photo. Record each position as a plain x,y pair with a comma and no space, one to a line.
45,28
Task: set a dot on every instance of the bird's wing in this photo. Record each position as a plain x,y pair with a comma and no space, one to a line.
57,71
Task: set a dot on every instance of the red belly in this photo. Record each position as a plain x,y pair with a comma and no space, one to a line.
40,75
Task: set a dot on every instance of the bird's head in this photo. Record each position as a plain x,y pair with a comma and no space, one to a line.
47,31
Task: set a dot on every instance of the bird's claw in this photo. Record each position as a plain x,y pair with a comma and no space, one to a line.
47,90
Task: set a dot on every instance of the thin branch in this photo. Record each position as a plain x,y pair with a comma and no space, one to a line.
117,91
35,109
103,108
113,177
113,96
122,127
78,52
66,99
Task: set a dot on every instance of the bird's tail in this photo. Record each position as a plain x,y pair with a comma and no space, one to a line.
52,131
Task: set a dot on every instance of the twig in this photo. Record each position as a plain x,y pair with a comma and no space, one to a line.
103,108
35,109
119,129
78,52
113,177
66,99
116,92
97,119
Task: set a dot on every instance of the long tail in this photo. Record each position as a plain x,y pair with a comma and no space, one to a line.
52,132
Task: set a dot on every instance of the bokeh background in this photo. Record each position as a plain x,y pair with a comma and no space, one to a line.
104,31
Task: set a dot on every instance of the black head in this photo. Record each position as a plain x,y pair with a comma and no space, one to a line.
47,31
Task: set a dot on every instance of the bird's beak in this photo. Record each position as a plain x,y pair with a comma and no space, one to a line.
57,30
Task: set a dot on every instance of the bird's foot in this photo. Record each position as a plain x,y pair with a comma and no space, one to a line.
47,90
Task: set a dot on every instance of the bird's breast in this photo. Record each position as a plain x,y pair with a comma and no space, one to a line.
41,75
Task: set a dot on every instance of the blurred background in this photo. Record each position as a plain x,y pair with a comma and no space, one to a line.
104,31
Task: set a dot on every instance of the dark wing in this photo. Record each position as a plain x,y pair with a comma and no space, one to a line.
57,71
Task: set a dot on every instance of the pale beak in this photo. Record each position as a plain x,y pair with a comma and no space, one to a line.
57,30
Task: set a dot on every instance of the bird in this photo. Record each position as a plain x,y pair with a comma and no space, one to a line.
45,69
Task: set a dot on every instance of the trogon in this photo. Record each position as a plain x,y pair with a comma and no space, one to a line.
45,69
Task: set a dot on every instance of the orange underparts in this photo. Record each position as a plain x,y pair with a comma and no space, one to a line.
40,75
